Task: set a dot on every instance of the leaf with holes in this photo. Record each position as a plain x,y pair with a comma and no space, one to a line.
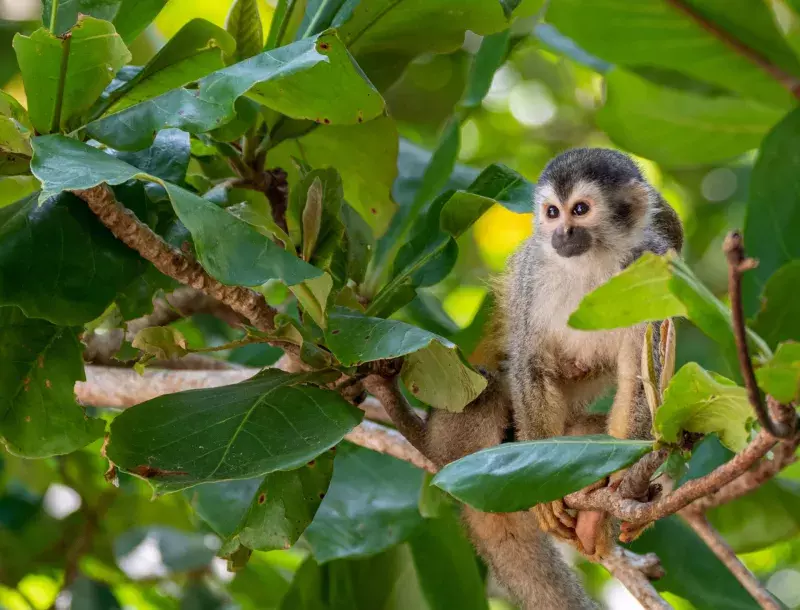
515,476
38,413
275,421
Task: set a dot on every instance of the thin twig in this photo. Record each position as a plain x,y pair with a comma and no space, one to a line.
786,80
737,264
635,571
698,522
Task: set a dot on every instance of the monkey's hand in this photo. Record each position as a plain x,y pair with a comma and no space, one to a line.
631,531
554,518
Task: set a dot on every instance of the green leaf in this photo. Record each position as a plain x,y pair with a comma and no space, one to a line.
275,421
60,15
134,16
64,77
371,505
780,376
778,318
312,79
438,376
15,135
178,551
167,158
690,566
496,184
15,188
58,262
443,555
223,505
434,372
244,24
38,413
285,22
640,293
515,476
384,35
680,128
92,595
770,514
313,297
254,209
282,507
699,401
163,342
245,257
773,216
195,51
365,156
490,56
657,34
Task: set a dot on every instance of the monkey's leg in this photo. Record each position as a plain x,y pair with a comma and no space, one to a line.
526,562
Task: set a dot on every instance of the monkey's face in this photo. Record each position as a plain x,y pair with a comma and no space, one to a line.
589,216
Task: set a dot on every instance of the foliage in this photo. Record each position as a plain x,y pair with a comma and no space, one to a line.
363,167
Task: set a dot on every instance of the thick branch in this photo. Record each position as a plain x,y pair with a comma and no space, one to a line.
737,264
635,571
724,552
643,512
171,261
789,82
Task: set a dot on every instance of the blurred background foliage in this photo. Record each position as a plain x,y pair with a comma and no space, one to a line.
550,94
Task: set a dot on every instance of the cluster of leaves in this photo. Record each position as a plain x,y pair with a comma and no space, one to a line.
190,141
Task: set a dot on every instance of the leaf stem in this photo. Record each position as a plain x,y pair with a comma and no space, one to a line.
53,15
62,81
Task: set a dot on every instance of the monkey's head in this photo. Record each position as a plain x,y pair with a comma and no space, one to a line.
591,200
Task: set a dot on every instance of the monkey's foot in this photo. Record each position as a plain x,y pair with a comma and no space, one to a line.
630,531
595,534
555,519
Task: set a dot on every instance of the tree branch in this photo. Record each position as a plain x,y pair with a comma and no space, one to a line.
171,261
724,552
635,571
786,80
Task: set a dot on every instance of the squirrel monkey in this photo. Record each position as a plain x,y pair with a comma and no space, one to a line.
594,215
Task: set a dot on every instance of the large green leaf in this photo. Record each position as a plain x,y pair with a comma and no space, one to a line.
57,98
282,508
443,555
691,567
780,376
654,33
433,371
275,421
133,16
38,413
245,257
385,35
699,401
371,505
515,476
778,318
60,15
312,79
770,514
222,505
365,156
58,262
195,51
773,216
680,128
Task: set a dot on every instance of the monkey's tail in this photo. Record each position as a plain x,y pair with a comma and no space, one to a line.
526,562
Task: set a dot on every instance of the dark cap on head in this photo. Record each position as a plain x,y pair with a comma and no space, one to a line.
609,169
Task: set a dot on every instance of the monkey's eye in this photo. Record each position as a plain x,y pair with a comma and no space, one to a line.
580,208
552,211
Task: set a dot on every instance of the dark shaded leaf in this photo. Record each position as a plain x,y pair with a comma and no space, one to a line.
58,262
778,318
134,16
275,421
515,476
38,413
60,15
178,551
371,505
87,594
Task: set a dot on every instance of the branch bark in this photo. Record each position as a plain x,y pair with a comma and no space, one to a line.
724,552
171,261
635,571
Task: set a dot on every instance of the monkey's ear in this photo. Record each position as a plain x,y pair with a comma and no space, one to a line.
635,199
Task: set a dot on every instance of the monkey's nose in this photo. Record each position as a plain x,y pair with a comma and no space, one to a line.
563,231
